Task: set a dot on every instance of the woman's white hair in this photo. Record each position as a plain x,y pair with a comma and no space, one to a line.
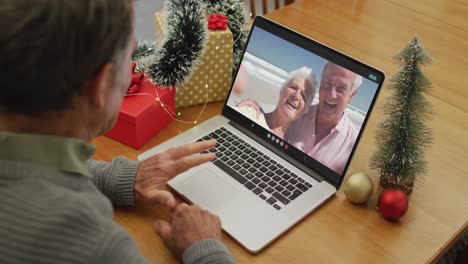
311,80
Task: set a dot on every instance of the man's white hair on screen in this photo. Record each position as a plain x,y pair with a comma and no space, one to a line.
357,81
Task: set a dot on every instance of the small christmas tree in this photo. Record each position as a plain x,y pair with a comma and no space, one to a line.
403,136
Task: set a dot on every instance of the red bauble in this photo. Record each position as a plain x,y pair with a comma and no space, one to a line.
393,204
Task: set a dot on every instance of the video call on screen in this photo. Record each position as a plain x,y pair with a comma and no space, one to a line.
294,92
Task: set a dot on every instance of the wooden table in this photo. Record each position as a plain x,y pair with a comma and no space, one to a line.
372,31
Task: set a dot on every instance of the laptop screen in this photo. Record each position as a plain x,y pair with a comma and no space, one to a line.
307,100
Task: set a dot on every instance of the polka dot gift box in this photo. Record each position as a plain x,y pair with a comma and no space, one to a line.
211,79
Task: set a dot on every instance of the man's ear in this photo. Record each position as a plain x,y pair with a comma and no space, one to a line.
97,89
352,96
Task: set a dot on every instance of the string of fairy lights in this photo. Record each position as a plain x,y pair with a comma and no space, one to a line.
172,114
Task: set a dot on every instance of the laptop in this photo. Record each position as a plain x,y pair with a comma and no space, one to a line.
262,181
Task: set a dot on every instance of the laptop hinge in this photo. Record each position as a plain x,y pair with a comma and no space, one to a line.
267,145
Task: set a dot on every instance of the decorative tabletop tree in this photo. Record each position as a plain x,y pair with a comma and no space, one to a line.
403,136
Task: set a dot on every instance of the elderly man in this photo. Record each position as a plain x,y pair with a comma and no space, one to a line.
325,132
64,67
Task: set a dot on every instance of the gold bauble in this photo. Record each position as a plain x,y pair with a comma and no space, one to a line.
358,187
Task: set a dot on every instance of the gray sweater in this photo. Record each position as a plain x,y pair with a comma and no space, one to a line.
53,209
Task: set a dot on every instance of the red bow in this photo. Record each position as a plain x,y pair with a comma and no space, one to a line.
217,22
137,79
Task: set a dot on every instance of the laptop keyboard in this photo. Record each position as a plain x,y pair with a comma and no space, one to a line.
266,178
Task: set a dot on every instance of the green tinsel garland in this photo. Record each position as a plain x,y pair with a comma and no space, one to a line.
187,34
186,20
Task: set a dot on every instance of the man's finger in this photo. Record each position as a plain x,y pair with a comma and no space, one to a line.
163,229
191,148
258,110
162,197
252,104
189,162
244,102
180,208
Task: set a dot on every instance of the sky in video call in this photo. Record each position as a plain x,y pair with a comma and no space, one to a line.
289,57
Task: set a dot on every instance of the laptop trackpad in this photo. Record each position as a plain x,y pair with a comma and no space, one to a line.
208,190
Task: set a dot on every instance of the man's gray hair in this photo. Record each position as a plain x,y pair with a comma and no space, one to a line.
50,49
357,81
310,78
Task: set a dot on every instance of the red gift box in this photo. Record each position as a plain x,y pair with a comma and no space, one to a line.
142,116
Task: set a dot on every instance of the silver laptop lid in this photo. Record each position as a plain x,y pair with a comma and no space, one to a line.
306,100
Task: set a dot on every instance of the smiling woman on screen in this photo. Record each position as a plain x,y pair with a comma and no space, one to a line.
295,98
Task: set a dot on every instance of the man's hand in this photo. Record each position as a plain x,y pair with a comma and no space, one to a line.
251,103
189,225
154,172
